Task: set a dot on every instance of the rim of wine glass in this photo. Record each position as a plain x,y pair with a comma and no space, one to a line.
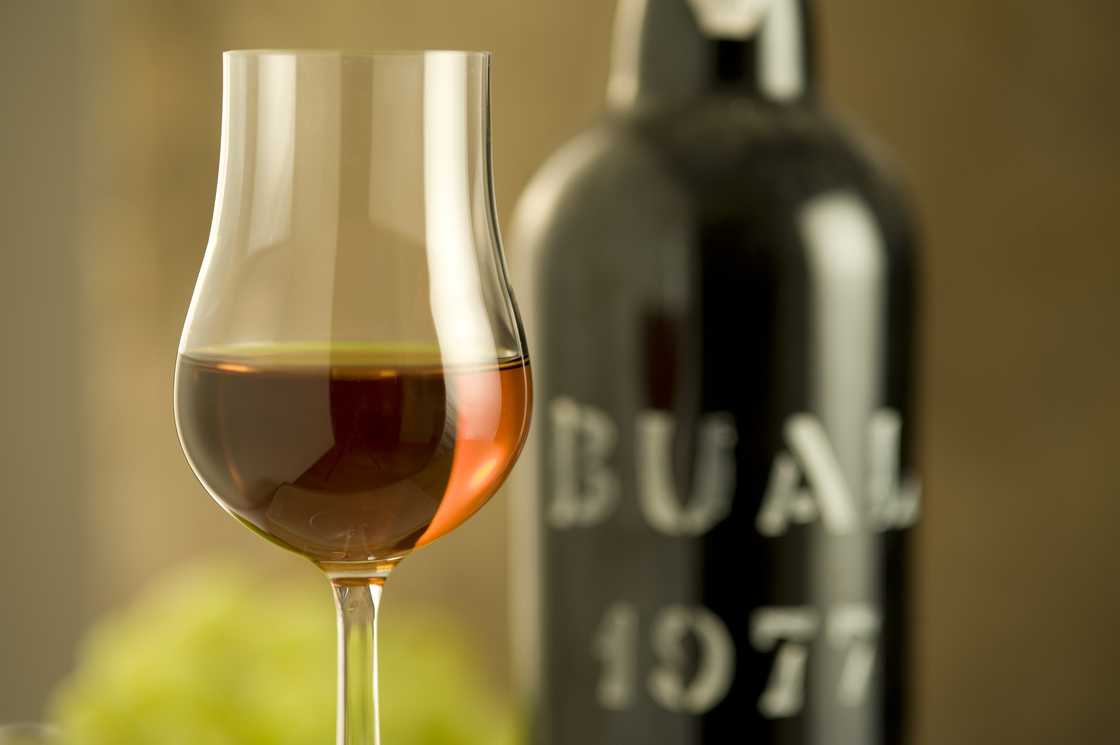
358,53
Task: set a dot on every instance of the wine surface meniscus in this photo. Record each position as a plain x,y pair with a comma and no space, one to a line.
350,454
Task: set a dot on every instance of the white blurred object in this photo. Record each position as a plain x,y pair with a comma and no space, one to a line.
730,19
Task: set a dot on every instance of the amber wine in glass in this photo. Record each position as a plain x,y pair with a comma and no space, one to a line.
360,458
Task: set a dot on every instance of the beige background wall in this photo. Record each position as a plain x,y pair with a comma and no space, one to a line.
41,538
1003,114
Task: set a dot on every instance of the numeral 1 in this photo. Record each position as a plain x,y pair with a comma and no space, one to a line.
616,645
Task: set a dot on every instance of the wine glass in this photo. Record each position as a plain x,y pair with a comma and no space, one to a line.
352,380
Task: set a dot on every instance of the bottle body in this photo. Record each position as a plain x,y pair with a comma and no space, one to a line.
721,488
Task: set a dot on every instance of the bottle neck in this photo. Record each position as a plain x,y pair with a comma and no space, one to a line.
668,51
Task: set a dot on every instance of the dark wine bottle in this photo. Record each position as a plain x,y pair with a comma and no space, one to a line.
720,286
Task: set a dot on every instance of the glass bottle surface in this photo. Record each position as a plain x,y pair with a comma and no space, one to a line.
734,470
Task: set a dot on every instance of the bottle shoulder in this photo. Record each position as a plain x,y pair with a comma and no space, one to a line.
733,139
605,156
600,182
721,159
720,139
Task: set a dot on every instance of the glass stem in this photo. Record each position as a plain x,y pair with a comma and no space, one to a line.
357,602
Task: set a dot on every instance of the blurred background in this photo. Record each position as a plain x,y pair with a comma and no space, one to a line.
1005,119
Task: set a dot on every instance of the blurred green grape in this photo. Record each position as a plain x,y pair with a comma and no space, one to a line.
218,656
28,734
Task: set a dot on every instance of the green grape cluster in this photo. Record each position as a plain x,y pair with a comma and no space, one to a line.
220,657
